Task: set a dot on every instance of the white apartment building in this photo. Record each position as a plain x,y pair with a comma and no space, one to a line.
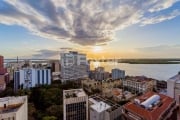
31,77
117,74
173,87
138,85
73,66
103,109
75,104
14,108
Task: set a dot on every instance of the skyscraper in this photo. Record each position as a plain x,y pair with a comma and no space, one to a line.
74,66
75,104
1,61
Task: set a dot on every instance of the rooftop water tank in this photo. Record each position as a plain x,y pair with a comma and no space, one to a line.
153,99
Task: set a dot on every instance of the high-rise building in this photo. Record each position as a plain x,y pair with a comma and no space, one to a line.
173,87
103,109
75,104
1,61
117,74
4,75
2,69
30,77
14,108
74,66
99,74
55,66
151,106
2,83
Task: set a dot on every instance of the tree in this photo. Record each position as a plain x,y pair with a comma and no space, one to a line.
49,118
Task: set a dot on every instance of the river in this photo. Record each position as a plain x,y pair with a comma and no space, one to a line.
157,71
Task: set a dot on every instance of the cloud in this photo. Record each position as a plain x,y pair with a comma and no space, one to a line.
45,54
84,22
160,18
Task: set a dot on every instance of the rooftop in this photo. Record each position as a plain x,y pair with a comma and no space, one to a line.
155,112
100,104
175,78
9,104
74,93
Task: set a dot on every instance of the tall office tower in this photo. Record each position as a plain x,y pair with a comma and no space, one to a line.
74,66
14,108
30,77
1,61
75,104
2,69
118,74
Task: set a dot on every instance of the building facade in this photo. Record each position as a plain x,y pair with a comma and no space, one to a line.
29,77
160,85
75,104
14,108
138,85
1,61
117,74
151,106
103,86
99,74
173,87
103,109
4,75
74,66
2,83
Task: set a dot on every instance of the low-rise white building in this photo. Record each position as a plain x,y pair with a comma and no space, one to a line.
138,84
14,108
103,109
31,77
173,87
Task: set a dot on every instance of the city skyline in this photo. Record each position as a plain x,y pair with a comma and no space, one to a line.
102,29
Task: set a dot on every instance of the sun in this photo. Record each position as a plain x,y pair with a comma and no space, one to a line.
97,49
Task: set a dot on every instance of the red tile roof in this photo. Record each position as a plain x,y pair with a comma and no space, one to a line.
153,114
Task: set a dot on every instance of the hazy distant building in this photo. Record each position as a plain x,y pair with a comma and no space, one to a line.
73,66
99,74
173,87
14,108
55,66
75,104
118,74
1,61
2,69
4,75
103,109
30,77
2,83
151,106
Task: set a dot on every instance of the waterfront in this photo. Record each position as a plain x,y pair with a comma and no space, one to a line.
157,71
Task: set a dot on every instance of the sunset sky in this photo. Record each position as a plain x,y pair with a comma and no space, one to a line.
100,28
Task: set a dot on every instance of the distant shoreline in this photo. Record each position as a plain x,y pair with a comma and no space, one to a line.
141,61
